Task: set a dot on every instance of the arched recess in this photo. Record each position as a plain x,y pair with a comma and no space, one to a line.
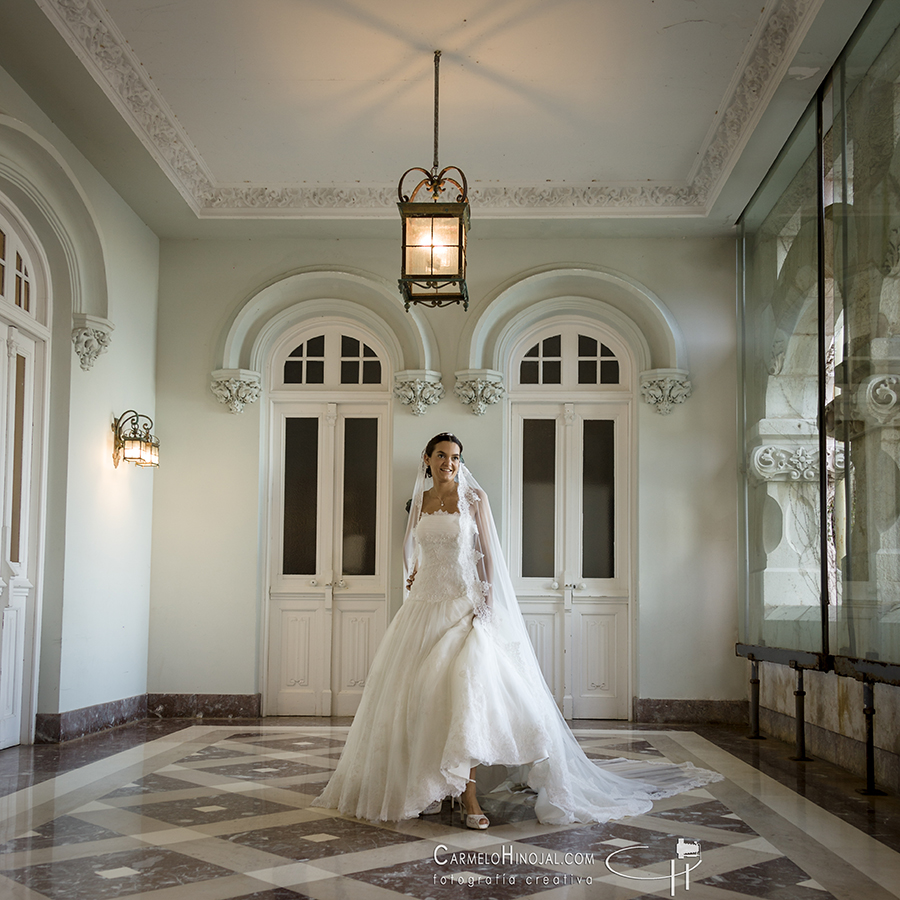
610,298
44,204
286,303
40,184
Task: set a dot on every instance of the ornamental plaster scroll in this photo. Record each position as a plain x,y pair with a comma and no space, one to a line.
882,398
87,27
792,462
418,389
479,388
91,336
664,388
235,388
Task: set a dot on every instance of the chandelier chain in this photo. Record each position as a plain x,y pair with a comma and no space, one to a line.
437,66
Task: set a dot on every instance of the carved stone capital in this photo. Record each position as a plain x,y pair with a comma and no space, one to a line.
236,387
479,388
418,389
663,388
91,336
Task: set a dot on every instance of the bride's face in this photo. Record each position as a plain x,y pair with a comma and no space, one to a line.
444,462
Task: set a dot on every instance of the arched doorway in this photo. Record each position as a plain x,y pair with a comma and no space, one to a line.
570,384
24,313
328,541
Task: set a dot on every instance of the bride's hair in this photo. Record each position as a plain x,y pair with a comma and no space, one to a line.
438,439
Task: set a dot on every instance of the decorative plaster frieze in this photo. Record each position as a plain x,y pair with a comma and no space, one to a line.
88,28
91,336
479,388
664,388
793,462
236,388
418,389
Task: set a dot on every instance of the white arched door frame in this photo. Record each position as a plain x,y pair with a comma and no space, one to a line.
24,410
580,620
616,303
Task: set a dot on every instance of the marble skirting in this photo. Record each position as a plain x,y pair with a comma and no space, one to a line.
199,706
691,712
839,749
54,728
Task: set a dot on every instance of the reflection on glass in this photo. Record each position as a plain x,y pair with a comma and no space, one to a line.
781,401
538,497
598,539
301,478
360,495
864,239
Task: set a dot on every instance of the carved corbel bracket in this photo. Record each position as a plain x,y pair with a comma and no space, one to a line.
236,388
663,388
479,388
418,389
91,336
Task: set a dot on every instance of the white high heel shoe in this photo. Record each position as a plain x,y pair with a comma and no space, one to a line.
433,808
476,821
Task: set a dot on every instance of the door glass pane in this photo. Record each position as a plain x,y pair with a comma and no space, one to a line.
598,499
360,495
301,480
15,538
538,497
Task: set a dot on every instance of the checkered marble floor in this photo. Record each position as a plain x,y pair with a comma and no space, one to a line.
223,813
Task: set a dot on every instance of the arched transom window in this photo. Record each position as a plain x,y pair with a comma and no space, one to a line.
16,280
568,357
333,356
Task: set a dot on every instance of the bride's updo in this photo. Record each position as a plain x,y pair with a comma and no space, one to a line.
438,439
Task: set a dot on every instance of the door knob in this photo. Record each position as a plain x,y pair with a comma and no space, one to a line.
554,585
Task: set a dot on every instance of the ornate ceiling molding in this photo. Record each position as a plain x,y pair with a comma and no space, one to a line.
102,48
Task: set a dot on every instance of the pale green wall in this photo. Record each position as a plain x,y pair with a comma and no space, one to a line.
96,579
204,633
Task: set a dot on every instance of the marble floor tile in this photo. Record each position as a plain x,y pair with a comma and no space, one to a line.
219,810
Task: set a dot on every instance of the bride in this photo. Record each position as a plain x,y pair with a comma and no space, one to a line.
455,685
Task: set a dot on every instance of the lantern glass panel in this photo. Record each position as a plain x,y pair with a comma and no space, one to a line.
131,448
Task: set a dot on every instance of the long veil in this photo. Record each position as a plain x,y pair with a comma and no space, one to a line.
569,786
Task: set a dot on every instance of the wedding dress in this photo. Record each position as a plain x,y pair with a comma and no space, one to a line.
455,684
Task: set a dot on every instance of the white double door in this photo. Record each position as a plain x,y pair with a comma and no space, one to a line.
18,534
570,550
327,554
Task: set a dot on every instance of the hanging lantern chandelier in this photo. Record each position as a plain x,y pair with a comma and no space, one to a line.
433,268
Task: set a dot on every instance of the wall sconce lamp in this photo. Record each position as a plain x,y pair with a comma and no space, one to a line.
433,268
132,440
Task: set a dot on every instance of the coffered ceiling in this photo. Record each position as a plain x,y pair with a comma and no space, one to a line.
601,116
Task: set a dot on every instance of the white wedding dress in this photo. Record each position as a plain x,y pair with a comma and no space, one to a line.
455,684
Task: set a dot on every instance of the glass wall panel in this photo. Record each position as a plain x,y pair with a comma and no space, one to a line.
780,323
863,237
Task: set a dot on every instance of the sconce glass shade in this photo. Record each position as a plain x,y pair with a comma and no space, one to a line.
132,440
433,268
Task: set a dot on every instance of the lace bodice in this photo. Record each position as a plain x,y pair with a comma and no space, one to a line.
439,574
